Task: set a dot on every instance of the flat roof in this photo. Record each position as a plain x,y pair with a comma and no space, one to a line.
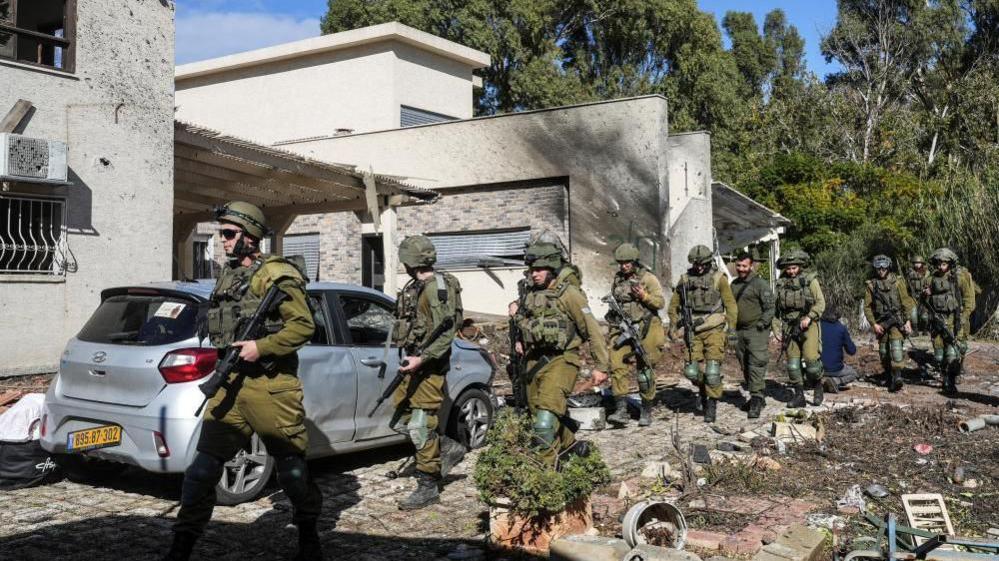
392,31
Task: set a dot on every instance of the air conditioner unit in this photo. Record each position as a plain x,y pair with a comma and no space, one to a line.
32,160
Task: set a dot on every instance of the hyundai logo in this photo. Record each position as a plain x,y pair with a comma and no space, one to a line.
99,357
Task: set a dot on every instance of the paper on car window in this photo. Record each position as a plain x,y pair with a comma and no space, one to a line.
170,310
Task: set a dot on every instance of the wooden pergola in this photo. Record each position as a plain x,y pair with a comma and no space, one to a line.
211,168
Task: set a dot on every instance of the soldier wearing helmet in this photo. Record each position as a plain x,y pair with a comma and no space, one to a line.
428,313
269,400
800,304
887,307
755,300
640,295
705,293
554,320
950,301
917,280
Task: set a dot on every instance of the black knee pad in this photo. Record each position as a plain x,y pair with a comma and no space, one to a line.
293,476
201,477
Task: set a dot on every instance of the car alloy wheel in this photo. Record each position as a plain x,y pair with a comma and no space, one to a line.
245,476
475,414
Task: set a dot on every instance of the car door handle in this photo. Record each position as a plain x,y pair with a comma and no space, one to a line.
372,362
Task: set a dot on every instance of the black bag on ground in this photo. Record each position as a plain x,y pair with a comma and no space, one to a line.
25,464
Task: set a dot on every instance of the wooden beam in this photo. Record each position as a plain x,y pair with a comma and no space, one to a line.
261,173
223,174
275,161
16,114
262,196
219,196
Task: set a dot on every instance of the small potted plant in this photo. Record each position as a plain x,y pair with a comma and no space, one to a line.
532,503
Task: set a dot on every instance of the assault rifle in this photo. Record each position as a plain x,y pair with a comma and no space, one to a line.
247,330
629,331
515,369
399,375
891,318
687,321
791,331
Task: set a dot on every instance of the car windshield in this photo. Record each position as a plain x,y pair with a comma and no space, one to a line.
132,319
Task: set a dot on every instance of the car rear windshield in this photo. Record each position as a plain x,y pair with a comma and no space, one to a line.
134,319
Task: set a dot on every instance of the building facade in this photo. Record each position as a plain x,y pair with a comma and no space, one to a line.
96,77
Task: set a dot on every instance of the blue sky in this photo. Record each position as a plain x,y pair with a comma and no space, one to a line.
211,28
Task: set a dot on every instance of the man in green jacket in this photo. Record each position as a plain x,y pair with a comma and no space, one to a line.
756,312
950,298
887,307
262,395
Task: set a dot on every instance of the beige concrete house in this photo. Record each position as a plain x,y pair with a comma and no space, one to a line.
86,166
398,101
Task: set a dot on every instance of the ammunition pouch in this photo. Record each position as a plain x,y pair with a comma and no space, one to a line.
709,322
548,331
712,373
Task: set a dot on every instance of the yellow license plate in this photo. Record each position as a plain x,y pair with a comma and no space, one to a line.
97,437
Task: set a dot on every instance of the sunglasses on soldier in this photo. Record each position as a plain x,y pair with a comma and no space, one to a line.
229,233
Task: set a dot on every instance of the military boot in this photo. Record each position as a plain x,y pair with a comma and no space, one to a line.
799,396
426,492
895,380
818,393
452,453
180,549
309,546
646,418
620,417
710,410
702,402
756,405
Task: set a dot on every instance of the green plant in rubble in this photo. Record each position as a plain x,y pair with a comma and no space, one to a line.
510,471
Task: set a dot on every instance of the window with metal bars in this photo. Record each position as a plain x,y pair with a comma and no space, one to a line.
32,235
40,32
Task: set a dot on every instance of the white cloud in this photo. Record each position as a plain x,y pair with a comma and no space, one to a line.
202,35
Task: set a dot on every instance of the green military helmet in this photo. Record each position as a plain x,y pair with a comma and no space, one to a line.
626,252
248,217
794,257
881,262
417,251
917,259
944,254
700,255
542,255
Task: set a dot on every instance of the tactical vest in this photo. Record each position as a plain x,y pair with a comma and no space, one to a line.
545,327
233,303
945,294
794,297
703,296
917,282
631,306
885,299
410,329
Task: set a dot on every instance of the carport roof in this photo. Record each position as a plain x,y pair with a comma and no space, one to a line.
212,168
740,221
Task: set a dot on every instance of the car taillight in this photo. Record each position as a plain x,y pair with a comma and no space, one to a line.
186,365
161,447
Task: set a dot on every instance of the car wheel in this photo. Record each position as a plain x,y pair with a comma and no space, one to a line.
471,418
246,475
83,469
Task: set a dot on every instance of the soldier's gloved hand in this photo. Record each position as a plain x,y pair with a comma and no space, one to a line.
247,350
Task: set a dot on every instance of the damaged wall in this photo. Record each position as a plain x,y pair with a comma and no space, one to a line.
613,156
116,115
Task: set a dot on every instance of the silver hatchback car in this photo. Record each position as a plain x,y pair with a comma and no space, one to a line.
127,387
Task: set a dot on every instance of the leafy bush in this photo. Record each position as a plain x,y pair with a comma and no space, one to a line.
511,469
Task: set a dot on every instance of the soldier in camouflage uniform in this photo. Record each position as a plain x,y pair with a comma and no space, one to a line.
640,295
950,300
262,395
428,313
917,280
756,312
800,304
554,321
887,307
708,295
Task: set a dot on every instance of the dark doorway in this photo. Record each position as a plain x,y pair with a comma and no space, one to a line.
372,261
